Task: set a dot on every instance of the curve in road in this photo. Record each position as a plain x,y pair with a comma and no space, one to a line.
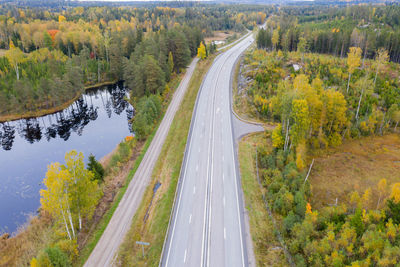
207,226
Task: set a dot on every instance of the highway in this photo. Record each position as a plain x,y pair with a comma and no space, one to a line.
207,225
105,250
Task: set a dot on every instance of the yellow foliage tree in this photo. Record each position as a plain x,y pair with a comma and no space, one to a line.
277,138
395,194
382,188
61,18
353,62
201,51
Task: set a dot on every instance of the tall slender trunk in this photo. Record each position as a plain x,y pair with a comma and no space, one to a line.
348,83
359,103
98,71
65,223
395,127
70,222
17,71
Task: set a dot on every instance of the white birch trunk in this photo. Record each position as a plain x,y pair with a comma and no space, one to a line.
66,224
359,103
348,83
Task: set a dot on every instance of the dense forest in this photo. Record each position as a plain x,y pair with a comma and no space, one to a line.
333,30
346,88
48,57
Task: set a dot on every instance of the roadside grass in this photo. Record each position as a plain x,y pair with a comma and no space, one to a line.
354,166
266,246
150,222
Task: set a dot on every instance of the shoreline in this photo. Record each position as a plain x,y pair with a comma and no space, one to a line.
43,112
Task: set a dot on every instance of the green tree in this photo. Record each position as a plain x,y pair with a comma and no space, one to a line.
95,167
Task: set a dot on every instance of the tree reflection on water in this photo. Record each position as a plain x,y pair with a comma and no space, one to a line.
72,119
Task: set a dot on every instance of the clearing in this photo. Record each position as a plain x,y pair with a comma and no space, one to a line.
355,166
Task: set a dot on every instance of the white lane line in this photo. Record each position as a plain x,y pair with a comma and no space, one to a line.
197,167
199,149
223,200
224,235
223,177
194,190
223,159
184,257
190,219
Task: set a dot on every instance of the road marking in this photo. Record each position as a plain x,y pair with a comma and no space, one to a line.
223,177
223,200
197,167
217,110
224,234
190,219
184,257
199,149
223,159
194,190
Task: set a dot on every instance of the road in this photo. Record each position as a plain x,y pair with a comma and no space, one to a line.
105,250
207,225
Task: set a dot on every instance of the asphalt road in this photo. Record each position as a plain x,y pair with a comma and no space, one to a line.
207,225
105,250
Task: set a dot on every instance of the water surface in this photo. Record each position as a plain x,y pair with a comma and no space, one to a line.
95,124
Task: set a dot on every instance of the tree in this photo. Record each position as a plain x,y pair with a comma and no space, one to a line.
95,167
55,198
71,193
381,60
277,137
363,85
178,45
302,47
275,38
301,120
15,57
353,62
170,62
382,187
83,188
201,51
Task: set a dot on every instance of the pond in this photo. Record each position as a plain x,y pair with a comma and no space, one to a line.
95,123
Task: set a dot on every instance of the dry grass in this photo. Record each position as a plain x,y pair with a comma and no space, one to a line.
266,246
219,36
355,165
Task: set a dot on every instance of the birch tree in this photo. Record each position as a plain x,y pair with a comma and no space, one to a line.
353,62
381,60
15,57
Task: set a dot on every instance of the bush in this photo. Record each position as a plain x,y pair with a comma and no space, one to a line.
57,257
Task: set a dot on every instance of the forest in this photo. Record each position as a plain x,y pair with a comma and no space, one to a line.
49,56
323,77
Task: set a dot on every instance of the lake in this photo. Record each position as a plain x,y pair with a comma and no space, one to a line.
95,123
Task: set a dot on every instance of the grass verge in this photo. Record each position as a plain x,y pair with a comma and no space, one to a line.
150,223
267,248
